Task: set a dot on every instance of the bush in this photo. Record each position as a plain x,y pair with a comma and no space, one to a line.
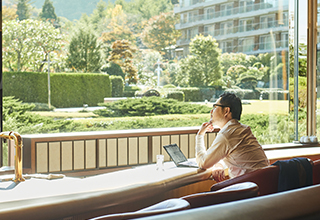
177,95
245,93
41,107
130,91
169,86
117,86
210,93
191,94
149,106
17,118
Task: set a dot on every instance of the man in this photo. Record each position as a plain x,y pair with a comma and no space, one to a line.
235,147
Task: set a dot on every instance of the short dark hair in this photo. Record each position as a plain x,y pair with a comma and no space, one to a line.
234,102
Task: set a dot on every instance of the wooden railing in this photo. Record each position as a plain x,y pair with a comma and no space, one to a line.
90,153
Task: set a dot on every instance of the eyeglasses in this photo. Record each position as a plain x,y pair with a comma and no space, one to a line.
215,105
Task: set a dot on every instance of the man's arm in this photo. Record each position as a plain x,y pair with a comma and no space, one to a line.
207,158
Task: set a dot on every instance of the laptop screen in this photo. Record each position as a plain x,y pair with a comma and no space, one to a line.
175,153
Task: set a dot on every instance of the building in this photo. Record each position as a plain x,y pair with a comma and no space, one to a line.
247,26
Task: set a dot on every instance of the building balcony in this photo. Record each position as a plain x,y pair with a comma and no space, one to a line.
235,13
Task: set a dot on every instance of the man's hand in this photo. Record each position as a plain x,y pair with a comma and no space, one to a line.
206,126
218,174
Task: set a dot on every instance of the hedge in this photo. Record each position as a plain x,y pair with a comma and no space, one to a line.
177,95
67,89
117,86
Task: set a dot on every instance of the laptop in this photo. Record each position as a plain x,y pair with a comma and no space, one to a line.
178,157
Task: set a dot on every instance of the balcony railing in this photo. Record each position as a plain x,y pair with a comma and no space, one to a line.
228,12
258,47
248,28
90,153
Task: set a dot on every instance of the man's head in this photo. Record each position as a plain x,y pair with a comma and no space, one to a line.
233,102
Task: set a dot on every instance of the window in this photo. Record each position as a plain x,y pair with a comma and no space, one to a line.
266,42
246,25
246,6
209,29
267,21
266,49
210,12
226,9
184,18
226,28
226,46
247,44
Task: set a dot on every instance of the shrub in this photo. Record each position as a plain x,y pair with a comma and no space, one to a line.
130,91
41,107
177,95
117,86
149,106
191,94
169,86
17,118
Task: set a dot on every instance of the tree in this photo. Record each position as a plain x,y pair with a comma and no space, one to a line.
117,28
122,54
202,65
26,43
160,33
9,13
99,14
148,8
23,9
48,13
84,52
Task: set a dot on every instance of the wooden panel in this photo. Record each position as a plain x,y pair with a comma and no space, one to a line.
133,151
143,150
192,144
165,141
42,157
111,152
78,155
54,157
184,144
122,152
102,153
90,154
175,139
211,137
66,155
156,147
206,140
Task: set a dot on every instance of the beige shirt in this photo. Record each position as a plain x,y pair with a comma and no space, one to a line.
236,146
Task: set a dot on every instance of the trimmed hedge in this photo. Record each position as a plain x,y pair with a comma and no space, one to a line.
117,86
67,89
191,94
130,91
177,95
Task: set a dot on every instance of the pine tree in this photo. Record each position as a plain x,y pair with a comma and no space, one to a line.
48,13
84,51
23,9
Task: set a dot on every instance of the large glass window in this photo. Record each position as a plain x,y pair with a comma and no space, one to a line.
256,65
